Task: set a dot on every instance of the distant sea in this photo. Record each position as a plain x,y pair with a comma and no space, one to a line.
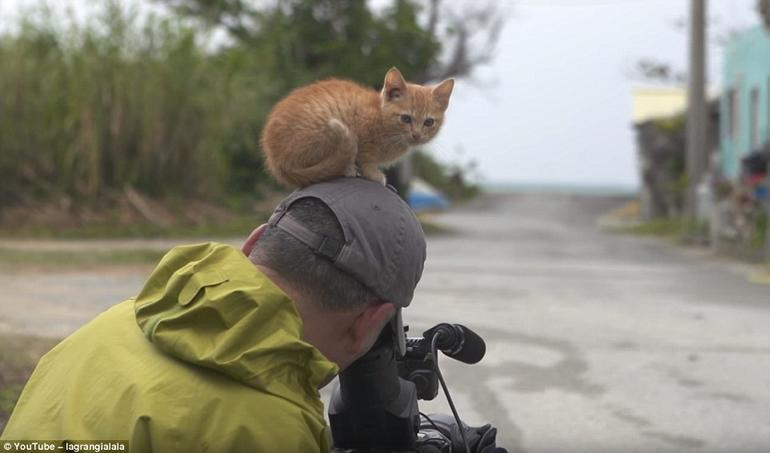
575,189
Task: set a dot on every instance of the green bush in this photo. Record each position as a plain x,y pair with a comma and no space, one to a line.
123,101
760,230
117,103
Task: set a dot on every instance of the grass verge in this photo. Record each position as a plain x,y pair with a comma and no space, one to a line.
18,356
670,228
238,226
71,259
431,227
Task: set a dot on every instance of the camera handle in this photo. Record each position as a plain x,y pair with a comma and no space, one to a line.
373,406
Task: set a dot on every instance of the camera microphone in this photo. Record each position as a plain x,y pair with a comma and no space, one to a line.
457,342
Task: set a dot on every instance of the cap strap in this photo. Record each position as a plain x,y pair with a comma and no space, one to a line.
322,245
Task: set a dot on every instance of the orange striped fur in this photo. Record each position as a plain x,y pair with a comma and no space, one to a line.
340,128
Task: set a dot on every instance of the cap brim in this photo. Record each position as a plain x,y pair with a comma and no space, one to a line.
399,336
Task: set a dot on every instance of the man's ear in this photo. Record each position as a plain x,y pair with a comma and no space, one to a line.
251,241
366,327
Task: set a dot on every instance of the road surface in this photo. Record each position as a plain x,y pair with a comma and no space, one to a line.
596,342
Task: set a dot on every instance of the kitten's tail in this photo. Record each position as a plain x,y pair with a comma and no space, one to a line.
334,157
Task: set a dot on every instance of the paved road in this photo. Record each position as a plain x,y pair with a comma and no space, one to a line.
596,342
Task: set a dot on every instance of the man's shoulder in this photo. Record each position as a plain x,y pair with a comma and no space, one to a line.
109,373
113,324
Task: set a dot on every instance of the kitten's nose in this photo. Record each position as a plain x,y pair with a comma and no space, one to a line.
415,135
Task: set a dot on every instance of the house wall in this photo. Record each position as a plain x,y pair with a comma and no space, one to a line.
746,75
657,102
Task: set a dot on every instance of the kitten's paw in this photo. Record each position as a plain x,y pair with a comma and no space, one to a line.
352,171
377,177
369,171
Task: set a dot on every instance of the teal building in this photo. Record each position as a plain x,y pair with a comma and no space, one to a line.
745,119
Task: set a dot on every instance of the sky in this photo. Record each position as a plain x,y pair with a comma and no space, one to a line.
554,106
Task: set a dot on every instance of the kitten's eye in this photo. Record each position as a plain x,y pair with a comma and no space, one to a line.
406,119
429,122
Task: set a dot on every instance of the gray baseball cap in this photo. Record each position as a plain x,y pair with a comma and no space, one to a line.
384,247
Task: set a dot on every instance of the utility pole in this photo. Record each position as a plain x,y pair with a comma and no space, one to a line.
696,106
764,12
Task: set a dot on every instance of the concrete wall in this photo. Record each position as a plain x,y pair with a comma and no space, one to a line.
746,76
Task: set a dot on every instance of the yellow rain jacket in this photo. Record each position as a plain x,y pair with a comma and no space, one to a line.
208,358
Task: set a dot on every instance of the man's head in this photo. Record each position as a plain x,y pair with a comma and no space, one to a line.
349,252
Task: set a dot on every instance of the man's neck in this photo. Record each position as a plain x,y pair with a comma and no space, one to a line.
324,329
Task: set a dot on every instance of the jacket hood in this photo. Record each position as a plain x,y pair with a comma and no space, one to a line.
208,305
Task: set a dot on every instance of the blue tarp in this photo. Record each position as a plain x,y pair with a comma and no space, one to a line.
423,197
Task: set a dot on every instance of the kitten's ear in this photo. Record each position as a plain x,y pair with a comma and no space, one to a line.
394,86
442,91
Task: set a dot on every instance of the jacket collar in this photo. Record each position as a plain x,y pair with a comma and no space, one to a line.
208,305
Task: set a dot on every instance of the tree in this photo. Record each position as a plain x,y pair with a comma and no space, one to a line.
652,70
764,12
305,40
299,41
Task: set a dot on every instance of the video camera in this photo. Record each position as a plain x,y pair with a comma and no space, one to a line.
374,408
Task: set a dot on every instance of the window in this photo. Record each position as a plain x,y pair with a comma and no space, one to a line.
733,115
754,124
729,112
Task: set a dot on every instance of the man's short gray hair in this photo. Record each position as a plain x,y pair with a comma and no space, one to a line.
308,272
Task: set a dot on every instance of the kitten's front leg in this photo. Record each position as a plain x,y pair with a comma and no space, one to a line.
352,171
370,171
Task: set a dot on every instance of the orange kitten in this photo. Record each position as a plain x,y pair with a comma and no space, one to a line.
340,128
